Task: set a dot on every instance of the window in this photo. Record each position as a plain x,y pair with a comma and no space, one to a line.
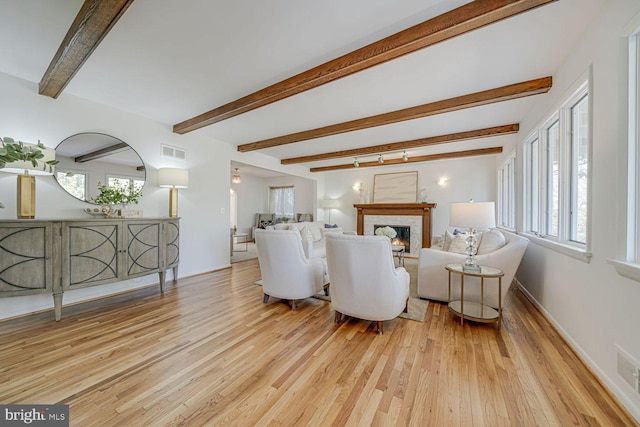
74,182
507,194
125,183
557,176
281,201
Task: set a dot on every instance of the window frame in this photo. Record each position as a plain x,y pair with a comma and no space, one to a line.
538,208
507,193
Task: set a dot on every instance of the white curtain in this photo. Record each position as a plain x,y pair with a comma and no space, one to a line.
281,201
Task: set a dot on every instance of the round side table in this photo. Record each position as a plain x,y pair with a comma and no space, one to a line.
477,312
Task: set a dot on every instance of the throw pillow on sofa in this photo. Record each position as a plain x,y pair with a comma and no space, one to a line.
458,244
326,231
306,233
491,240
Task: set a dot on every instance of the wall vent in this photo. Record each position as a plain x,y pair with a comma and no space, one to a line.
628,369
173,152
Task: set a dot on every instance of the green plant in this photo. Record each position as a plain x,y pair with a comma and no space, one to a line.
118,194
18,151
283,219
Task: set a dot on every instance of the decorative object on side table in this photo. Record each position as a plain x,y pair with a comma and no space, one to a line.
26,160
472,215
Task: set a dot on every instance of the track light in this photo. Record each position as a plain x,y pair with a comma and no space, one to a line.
380,159
405,156
356,163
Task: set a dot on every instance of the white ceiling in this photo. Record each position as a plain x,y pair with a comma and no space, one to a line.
171,60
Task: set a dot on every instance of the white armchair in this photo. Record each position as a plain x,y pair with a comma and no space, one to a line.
364,281
286,271
433,279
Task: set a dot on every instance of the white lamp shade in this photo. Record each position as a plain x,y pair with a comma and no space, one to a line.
173,177
330,203
473,215
41,169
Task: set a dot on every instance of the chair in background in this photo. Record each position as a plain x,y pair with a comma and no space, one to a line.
262,220
364,280
304,217
286,271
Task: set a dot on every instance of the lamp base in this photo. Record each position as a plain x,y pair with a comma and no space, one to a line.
173,202
472,268
26,206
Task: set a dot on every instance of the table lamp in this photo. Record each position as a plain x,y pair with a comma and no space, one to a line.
472,215
173,178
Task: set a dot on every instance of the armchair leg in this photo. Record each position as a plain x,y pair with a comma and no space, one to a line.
406,307
326,289
265,299
379,326
338,317
294,307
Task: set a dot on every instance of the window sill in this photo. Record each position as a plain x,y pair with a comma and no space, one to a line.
626,269
565,249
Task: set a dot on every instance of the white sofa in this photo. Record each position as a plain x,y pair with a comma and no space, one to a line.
312,235
364,280
433,279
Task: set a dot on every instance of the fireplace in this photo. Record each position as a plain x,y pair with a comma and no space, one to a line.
403,235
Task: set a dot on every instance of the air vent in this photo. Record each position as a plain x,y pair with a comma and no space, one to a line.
173,152
628,369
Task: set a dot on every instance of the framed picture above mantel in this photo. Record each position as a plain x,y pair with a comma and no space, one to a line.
401,187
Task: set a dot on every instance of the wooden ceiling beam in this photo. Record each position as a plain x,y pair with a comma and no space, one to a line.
504,93
406,145
103,152
464,19
94,20
416,159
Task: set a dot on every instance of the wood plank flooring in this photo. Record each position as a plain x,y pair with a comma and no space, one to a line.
209,352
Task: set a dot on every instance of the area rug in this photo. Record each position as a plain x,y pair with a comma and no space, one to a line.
417,309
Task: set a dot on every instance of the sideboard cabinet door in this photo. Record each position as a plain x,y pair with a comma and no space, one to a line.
91,252
26,252
142,252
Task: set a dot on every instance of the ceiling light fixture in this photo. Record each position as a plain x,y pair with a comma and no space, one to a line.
236,179
356,163
380,159
405,156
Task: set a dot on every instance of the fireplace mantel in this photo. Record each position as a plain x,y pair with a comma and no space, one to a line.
407,209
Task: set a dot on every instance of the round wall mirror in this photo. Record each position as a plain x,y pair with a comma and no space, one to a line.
88,160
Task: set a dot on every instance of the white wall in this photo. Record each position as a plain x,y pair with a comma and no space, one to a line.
27,116
467,178
594,307
252,199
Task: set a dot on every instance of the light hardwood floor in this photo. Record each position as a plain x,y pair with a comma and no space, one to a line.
209,352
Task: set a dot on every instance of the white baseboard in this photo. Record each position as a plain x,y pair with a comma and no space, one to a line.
606,381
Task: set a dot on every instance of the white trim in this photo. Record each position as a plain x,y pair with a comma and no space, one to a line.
626,269
564,248
615,390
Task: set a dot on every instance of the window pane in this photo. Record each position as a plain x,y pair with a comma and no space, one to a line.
534,185
73,183
281,201
580,168
553,179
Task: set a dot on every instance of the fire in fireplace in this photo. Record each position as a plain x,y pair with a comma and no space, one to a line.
403,236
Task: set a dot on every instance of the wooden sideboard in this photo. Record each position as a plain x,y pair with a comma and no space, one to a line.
411,209
54,256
